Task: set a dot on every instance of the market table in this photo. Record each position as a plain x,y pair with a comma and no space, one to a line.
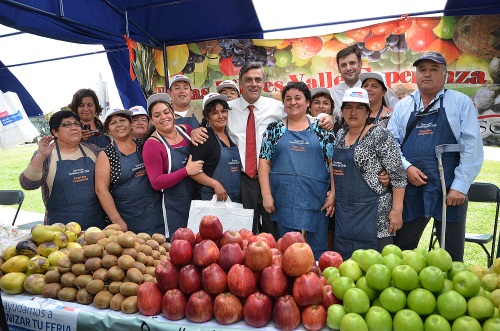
33,312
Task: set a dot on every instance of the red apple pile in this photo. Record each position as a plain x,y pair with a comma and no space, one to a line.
235,275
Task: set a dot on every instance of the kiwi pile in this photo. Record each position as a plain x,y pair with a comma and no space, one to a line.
108,269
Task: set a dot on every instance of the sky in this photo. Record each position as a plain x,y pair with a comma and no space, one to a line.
52,84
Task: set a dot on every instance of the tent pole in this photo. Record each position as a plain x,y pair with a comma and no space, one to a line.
165,65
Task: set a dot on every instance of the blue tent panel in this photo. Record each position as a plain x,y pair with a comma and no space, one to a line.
9,82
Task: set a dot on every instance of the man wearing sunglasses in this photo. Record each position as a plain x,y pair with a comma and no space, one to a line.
429,117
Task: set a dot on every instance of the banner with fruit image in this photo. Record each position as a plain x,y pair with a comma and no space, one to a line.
470,44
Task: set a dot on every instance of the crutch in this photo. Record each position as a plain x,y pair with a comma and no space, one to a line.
445,148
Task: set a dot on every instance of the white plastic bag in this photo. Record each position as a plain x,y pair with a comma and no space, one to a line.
15,127
231,214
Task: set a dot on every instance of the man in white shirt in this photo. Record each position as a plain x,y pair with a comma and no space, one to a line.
180,92
265,110
349,63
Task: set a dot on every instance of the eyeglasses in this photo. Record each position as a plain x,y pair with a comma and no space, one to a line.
70,124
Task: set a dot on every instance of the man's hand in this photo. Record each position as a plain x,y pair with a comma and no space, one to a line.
455,198
383,178
415,176
326,122
199,136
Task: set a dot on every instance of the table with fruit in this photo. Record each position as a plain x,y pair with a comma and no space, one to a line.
235,280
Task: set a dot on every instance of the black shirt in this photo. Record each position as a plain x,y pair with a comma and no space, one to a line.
208,152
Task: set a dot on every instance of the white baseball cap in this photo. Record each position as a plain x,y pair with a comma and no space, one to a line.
227,83
138,110
159,97
373,75
317,90
118,111
356,94
213,96
179,78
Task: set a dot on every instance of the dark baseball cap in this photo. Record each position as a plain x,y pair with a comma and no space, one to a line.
431,56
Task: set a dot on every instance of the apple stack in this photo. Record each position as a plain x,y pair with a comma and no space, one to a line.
411,290
235,275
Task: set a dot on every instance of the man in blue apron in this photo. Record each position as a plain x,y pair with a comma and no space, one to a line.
429,117
180,92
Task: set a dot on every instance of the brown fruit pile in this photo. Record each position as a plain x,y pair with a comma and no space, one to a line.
108,269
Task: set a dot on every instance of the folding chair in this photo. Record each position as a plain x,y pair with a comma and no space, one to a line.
485,192
480,192
12,197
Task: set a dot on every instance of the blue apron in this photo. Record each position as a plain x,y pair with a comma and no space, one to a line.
299,181
227,172
177,199
73,197
101,140
356,207
374,120
189,120
419,149
138,203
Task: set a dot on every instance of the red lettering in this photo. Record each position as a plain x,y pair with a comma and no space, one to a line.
294,78
478,77
311,83
462,77
391,77
196,94
406,76
278,86
338,80
451,77
268,87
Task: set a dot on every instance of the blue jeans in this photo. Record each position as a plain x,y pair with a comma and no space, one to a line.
318,240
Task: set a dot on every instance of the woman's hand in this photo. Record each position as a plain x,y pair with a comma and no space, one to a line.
329,205
86,134
45,147
395,220
194,167
220,191
122,224
199,136
268,203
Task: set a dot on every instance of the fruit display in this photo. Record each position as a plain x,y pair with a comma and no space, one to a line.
104,267
412,290
236,276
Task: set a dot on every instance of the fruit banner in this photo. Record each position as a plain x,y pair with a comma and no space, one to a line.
470,44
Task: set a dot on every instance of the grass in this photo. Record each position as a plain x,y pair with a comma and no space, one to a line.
480,216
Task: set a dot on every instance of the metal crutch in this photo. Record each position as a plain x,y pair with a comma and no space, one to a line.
445,148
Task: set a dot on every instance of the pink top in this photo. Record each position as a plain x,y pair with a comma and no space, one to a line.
155,159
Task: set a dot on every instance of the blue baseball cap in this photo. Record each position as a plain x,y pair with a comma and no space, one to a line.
431,56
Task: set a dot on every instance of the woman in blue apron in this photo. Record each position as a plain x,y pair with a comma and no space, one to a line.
294,171
374,84
366,213
86,104
121,182
222,167
168,163
64,169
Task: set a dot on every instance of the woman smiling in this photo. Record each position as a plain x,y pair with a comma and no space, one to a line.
294,170
168,162
375,85
120,171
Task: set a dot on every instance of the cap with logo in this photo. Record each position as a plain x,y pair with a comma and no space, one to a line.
213,96
159,97
431,56
356,94
138,110
228,83
179,78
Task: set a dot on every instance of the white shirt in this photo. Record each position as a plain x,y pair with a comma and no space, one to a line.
338,94
266,111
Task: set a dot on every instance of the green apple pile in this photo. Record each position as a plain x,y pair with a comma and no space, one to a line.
412,290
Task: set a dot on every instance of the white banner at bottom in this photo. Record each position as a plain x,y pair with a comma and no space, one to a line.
36,313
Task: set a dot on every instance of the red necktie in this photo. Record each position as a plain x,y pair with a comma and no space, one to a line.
251,145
